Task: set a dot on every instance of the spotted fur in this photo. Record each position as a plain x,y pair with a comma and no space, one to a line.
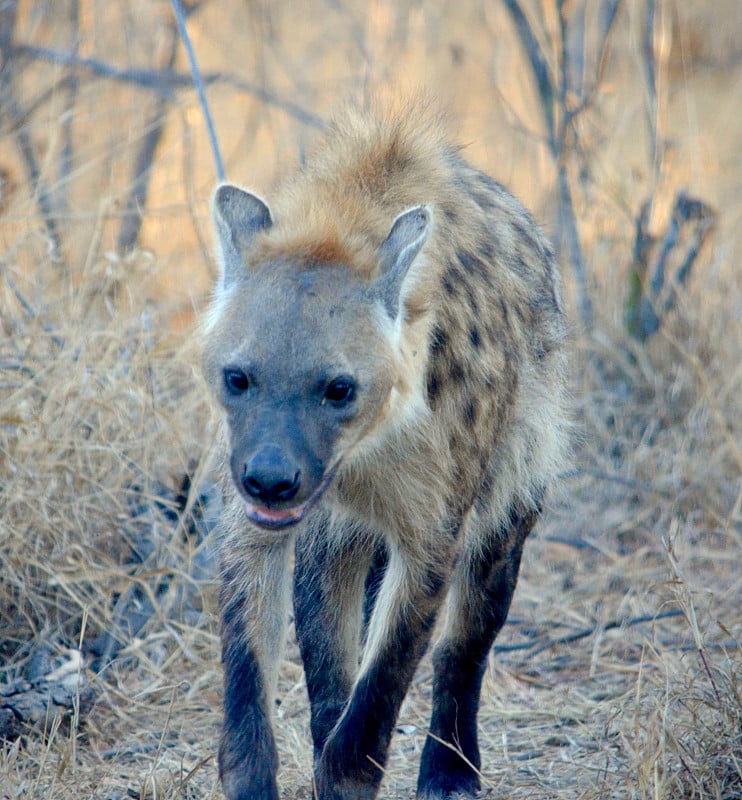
389,265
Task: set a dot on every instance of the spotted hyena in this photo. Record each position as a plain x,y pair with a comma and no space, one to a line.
386,347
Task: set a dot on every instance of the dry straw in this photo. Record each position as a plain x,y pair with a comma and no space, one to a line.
617,676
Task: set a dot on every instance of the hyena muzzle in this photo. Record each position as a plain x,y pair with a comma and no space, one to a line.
386,348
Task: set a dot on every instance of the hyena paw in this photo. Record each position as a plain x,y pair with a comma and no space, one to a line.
449,785
257,785
435,794
344,789
339,779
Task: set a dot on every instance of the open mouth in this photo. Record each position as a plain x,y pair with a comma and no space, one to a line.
273,518
277,518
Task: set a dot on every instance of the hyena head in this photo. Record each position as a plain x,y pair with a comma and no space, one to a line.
301,356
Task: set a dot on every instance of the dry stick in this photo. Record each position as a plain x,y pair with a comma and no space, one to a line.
199,84
688,214
553,95
569,227
539,646
687,608
8,14
43,196
16,119
131,224
650,80
66,157
539,66
689,210
191,194
609,10
632,483
166,82
31,311
32,106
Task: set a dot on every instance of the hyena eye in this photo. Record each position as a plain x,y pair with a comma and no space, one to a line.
236,381
340,392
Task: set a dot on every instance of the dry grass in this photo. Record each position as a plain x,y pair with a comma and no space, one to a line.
619,673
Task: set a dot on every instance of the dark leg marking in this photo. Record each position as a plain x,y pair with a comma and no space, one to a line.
348,767
459,666
247,752
356,751
321,580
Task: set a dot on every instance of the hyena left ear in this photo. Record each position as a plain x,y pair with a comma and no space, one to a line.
397,253
238,217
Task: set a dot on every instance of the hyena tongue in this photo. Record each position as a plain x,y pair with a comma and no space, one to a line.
273,518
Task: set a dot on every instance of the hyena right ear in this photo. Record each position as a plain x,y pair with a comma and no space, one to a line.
396,255
238,217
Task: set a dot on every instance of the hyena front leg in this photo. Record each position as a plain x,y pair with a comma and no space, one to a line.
350,767
331,567
478,604
255,601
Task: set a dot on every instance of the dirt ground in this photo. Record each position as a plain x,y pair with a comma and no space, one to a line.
619,672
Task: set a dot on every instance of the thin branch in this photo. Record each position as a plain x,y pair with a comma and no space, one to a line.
561,93
569,227
632,483
690,210
691,220
539,65
23,115
650,79
43,195
11,109
576,48
66,157
131,223
609,12
606,18
165,82
199,84
540,645
31,311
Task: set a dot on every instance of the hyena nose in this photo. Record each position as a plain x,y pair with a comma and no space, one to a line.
271,477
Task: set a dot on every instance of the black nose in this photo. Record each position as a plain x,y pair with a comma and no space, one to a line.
271,476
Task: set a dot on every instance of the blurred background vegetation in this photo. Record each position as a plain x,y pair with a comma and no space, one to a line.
587,110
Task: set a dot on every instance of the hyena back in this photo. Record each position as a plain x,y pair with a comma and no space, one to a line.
386,347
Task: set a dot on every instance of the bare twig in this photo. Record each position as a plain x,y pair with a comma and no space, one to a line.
569,228
540,645
602,475
11,109
66,156
166,82
539,65
131,223
557,89
691,223
8,15
687,607
650,79
31,311
199,84
43,195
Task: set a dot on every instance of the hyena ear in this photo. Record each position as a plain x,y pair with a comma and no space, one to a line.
238,217
398,252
